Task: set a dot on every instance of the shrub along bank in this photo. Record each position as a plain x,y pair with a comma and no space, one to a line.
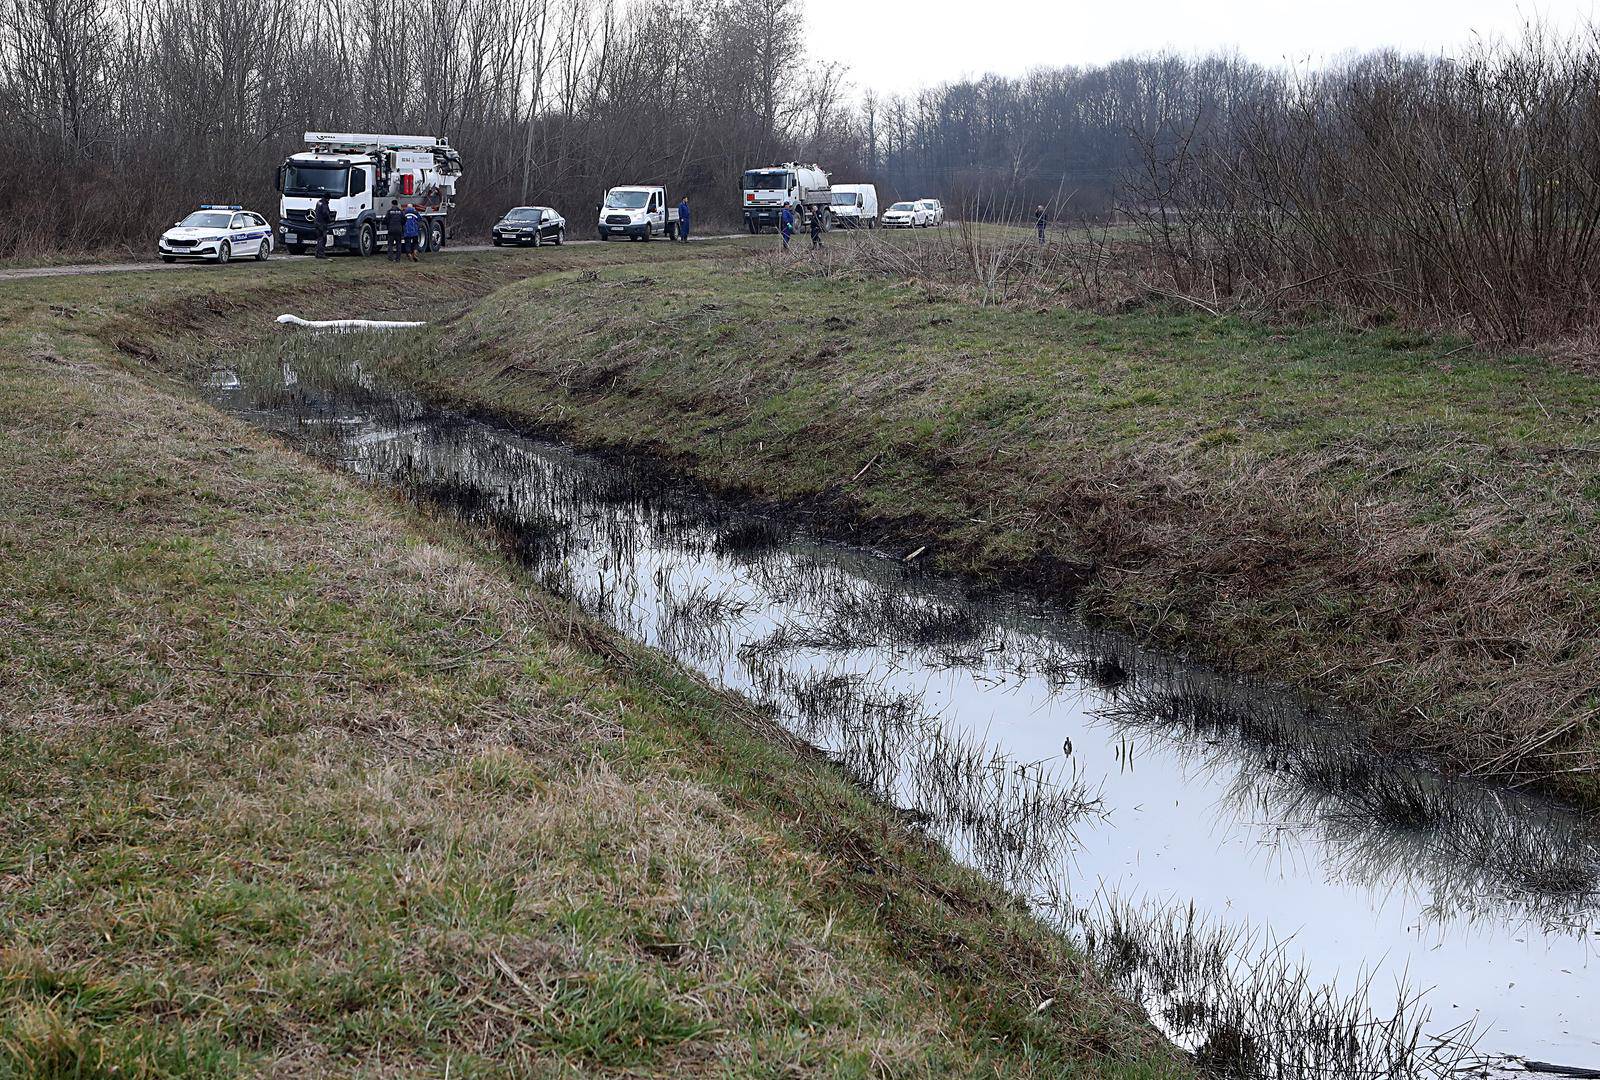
1405,526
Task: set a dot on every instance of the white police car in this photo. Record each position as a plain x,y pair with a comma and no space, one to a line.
217,232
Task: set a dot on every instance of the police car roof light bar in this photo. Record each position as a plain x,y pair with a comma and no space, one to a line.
220,206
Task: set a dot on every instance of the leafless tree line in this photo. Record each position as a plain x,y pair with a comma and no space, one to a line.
1460,190
1463,191
119,114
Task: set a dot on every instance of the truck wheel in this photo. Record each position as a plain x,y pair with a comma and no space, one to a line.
751,225
224,252
436,236
368,241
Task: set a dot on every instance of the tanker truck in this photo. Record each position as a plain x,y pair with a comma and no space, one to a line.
360,174
802,188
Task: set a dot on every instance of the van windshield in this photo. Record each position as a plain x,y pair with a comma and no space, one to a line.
626,200
330,180
846,198
764,180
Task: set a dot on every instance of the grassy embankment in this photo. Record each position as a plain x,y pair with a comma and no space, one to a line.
298,781
1404,525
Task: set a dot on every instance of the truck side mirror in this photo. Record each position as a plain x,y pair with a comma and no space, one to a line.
277,179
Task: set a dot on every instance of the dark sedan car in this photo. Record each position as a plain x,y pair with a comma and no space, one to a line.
530,225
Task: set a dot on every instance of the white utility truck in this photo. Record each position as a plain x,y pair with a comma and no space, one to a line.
802,188
638,211
361,174
855,206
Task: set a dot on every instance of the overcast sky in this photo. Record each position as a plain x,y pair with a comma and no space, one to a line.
897,47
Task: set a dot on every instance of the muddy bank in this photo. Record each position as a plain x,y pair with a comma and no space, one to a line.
1347,515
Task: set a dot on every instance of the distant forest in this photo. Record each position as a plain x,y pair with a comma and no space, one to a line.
1469,182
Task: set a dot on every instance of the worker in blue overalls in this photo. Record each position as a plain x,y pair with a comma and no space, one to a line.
413,231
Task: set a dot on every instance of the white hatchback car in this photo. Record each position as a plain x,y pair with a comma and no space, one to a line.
905,215
217,232
935,210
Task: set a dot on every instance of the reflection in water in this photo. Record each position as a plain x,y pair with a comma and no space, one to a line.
1282,901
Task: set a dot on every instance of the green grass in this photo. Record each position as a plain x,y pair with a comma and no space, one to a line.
297,780
1395,521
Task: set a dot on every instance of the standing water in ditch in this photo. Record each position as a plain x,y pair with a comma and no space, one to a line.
1280,900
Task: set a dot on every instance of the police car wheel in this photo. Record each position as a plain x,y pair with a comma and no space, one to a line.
169,258
263,250
224,252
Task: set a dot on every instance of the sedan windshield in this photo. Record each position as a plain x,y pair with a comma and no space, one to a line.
768,181
525,214
206,219
627,200
330,180
902,206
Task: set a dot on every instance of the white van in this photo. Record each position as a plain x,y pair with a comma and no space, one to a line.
855,205
637,211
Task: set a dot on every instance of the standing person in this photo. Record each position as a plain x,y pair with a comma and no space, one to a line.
683,219
1040,220
322,216
786,226
816,229
394,223
413,230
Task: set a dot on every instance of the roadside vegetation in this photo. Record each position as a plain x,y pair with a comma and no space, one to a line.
298,781
1399,522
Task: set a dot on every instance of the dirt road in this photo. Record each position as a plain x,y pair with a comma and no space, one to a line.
23,273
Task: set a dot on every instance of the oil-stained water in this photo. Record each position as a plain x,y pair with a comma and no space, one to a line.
1281,900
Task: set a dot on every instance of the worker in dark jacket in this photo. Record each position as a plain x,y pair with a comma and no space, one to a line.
816,229
786,226
683,219
1040,220
394,223
322,217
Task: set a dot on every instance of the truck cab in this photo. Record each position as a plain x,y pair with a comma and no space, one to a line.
637,212
803,189
360,175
